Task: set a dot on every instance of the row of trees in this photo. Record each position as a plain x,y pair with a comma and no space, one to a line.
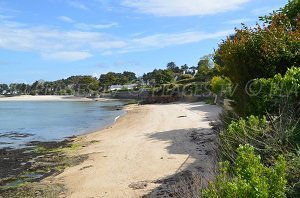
86,85
72,85
174,74
111,78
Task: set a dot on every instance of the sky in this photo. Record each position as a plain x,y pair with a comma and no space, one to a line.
55,39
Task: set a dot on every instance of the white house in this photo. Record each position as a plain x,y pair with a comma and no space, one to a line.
115,87
120,87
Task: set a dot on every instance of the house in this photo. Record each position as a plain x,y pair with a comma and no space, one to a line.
115,87
122,87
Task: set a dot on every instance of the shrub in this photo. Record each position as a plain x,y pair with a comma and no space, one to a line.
259,52
184,77
220,85
268,95
186,81
243,131
249,178
293,173
270,138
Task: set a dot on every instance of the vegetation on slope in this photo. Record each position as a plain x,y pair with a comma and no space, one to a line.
259,138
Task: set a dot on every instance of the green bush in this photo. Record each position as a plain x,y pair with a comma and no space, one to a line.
260,52
293,173
184,77
270,139
172,89
220,85
186,81
249,178
243,131
268,95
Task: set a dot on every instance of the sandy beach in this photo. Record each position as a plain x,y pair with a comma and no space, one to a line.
148,144
49,98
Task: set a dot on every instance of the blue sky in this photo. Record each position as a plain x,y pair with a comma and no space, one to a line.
54,39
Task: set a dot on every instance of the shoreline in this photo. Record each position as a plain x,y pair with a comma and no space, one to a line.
62,148
141,154
118,109
119,156
32,156
53,98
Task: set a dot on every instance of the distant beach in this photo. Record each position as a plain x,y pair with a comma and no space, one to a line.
50,98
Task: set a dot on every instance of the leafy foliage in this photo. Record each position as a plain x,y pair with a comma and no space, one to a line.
158,77
249,178
220,85
268,95
184,77
243,131
259,52
112,78
291,10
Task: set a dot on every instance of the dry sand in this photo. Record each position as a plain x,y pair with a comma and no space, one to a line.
47,98
149,143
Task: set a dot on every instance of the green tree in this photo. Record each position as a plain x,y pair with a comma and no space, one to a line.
158,77
184,68
173,67
259,52
112,78
205,68
129,76
107,80
290,10
3,87
164,76
220,85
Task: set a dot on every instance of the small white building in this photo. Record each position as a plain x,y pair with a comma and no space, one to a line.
120,87
115,87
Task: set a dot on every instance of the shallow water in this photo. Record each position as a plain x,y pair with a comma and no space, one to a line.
25,121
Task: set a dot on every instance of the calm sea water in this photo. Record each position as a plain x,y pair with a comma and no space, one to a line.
26,121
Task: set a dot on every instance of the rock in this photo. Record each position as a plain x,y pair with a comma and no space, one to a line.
138,185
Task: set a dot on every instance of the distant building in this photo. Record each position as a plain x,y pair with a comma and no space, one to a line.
195,73
115,87
120,87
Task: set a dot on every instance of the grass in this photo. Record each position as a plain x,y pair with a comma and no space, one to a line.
61,149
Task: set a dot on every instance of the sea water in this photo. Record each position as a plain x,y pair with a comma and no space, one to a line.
22,122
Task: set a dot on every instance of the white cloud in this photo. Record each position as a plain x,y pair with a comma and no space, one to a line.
77,4
105,4
86,26
183,7
66,19
49,41
67,55
73,45
3,17
165,40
